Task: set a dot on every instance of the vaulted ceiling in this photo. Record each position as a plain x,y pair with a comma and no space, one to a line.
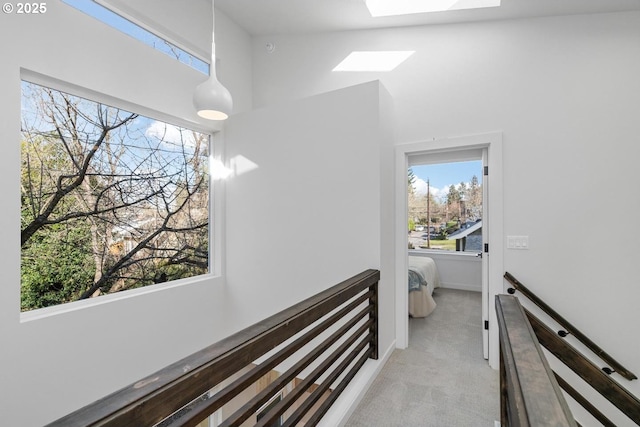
262,17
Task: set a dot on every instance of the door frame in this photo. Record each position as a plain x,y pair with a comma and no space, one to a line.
493,143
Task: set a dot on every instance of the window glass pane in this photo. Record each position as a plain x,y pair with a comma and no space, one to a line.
111,200
445,206
116,21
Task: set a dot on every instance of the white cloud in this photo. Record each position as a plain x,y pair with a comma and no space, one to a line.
440,194
420,187
170,134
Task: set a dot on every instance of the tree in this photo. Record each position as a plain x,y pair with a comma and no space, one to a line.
55,265
452,203
462,191
474,203
411,179
134,191
453,196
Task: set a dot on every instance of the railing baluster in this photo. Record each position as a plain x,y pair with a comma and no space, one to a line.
225,395
569,328
311,378
156,397
601,382
333,396
261,398
584,402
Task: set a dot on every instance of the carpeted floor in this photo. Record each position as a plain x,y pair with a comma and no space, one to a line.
441,379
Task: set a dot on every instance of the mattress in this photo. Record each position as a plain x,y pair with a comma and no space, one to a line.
421,303
426,268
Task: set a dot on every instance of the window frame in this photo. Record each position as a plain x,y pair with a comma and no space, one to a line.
216,200
445,158
145,26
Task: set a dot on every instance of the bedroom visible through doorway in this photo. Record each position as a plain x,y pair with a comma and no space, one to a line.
445,244
451,264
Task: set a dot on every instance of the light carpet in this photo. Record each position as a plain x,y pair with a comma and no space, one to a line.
442,379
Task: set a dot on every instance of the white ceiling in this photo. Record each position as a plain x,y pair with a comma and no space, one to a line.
268,17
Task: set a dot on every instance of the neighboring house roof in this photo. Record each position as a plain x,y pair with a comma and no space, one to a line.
464,232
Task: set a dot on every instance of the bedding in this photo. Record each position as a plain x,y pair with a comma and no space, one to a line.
423,279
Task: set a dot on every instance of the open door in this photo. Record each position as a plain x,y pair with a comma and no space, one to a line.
485,253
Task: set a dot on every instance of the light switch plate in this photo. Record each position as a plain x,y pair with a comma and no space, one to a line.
517,242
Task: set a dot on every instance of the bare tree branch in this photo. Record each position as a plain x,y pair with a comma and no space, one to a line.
141,195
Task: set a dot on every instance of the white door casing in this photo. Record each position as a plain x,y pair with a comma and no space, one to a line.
485,253
492,266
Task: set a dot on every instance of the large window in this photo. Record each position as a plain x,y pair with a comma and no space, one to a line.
445,206
111,200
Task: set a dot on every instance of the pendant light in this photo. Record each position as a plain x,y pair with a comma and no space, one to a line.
211,99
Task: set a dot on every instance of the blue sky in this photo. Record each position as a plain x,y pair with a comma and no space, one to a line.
442,175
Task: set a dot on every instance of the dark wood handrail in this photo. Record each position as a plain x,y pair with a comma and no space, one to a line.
194,416
569,328
530,395
620,397
152,399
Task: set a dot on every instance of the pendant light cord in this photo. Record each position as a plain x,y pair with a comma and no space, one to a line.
212,66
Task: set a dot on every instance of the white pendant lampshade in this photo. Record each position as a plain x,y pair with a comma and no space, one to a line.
212,100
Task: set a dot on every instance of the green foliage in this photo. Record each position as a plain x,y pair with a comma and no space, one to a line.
56,266
108,202
443,244
451,227
412,224
454,195
411,179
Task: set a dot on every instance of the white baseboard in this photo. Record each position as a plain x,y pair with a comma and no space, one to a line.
339,413
461,287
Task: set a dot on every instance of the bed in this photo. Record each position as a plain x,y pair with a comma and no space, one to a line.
423,279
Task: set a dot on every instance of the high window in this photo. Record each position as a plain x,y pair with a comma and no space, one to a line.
124,25
111,200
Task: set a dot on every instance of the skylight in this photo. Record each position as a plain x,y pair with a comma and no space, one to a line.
406,7
373,60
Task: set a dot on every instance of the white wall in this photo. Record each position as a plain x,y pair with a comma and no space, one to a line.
173,20
290,222
565,92
309,215
315,209
58,363
456,270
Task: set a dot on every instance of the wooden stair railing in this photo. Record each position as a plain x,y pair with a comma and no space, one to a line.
598,378
606,422
627,403
529,392
569,328
349,310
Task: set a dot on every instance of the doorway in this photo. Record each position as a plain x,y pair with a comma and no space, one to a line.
445,211
487,147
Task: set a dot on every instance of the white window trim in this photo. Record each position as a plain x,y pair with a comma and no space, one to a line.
216,203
